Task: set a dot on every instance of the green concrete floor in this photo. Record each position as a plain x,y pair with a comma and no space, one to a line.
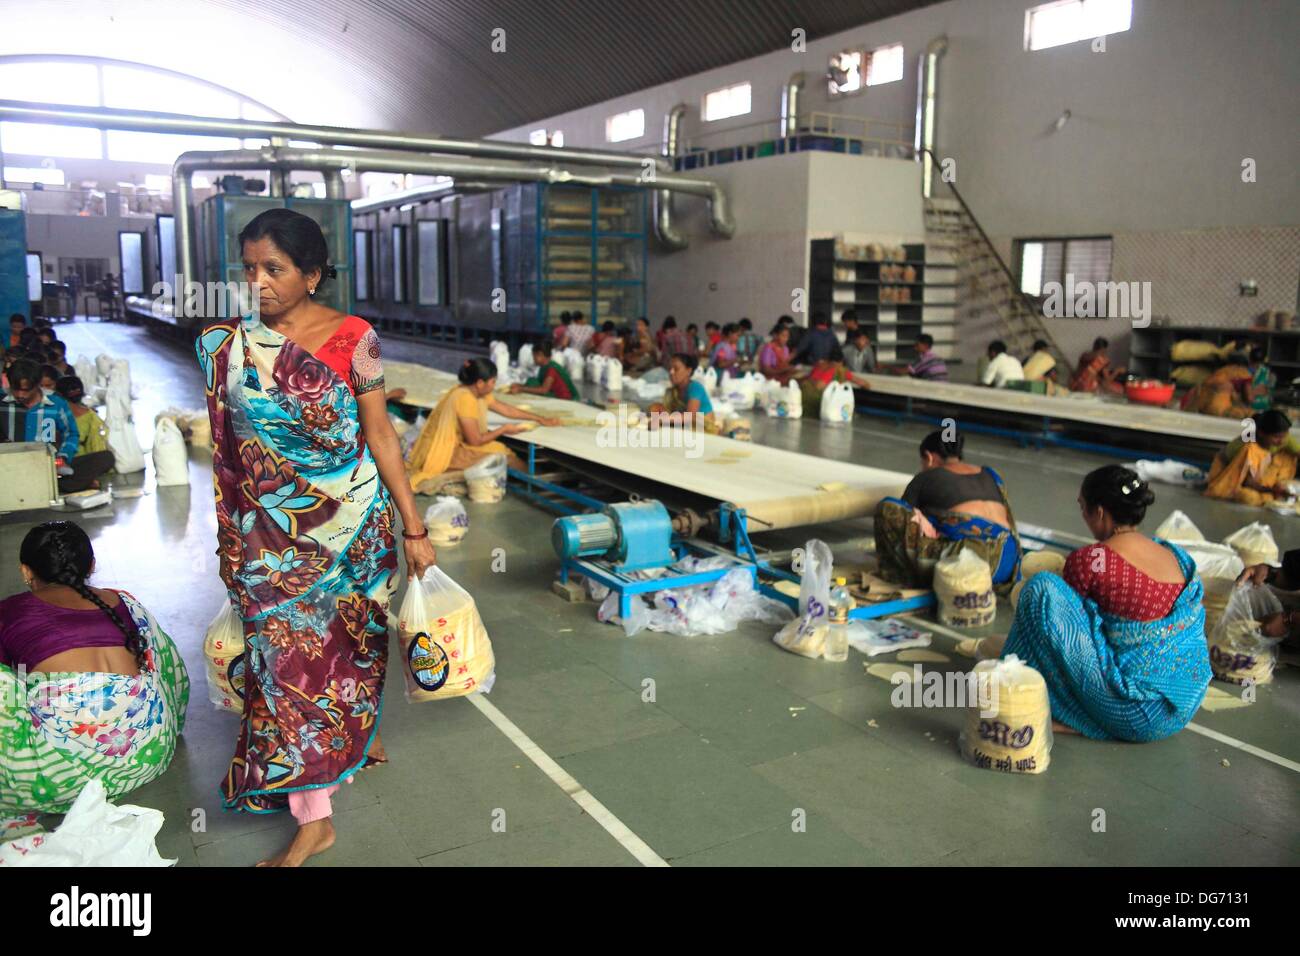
715,769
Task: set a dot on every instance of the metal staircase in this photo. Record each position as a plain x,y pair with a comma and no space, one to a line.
986,288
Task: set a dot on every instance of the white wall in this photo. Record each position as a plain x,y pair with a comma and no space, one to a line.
1160,123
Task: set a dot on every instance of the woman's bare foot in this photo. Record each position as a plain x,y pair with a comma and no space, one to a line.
311,838
1060,728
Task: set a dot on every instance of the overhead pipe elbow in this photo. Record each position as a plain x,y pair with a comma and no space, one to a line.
666,231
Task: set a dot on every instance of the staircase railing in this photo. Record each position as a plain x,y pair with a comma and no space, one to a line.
1031,308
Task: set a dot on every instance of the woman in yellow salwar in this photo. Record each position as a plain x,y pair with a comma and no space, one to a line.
1223,394
1256,472
457,436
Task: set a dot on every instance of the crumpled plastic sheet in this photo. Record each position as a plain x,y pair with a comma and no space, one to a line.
714,608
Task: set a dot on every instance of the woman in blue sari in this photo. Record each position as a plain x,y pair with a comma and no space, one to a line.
1119,636
949,506
307,470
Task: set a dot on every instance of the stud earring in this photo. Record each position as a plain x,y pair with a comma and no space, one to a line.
311,291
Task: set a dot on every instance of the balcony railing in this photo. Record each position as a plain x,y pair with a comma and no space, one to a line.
818,130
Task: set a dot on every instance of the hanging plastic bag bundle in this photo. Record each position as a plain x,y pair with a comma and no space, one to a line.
806,634
1218,566
526,363
445,648
1254,544
487,479
171,463
963,585
1036,562
837,403
103,365
122,440
1179,528
223,652
499,352
1243,645
447,521
1009,724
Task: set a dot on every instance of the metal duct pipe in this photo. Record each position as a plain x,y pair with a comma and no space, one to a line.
147,121
668,234
790,104
280,133
927,84
395,162
334,188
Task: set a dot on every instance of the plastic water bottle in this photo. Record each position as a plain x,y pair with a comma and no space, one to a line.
837,637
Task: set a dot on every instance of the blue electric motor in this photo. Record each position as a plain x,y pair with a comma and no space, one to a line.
632,536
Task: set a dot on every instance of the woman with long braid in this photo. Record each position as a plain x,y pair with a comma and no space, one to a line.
90,685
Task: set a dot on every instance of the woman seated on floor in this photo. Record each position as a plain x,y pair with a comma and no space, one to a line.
685,397
91,430
90,686
949,506
774,356
1256,472
1120,635
552,377
456,434
1223,394
1095,373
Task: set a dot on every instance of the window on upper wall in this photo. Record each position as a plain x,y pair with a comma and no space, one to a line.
885,64
727,102
557,138
46,139
537,137
844,74
41,174
1068,21
1040,261
624,126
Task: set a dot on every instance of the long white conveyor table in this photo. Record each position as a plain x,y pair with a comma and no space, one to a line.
1090,410
776,488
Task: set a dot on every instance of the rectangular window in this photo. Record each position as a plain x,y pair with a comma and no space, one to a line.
1068,21
428,246
727,102
76,84
39,174
361,244
45,139
399,263
885,65
158,183
557,138
131,248
537,137
624,126
1041,261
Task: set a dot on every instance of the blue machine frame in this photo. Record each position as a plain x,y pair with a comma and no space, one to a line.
734,525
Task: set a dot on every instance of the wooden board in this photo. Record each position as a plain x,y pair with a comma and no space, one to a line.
1089,409
777,488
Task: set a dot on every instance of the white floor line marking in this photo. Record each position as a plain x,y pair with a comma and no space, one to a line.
1242,745
561,778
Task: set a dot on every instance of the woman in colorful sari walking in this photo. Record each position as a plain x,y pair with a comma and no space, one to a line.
306,469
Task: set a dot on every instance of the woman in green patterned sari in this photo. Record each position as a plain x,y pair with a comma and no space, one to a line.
90,686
